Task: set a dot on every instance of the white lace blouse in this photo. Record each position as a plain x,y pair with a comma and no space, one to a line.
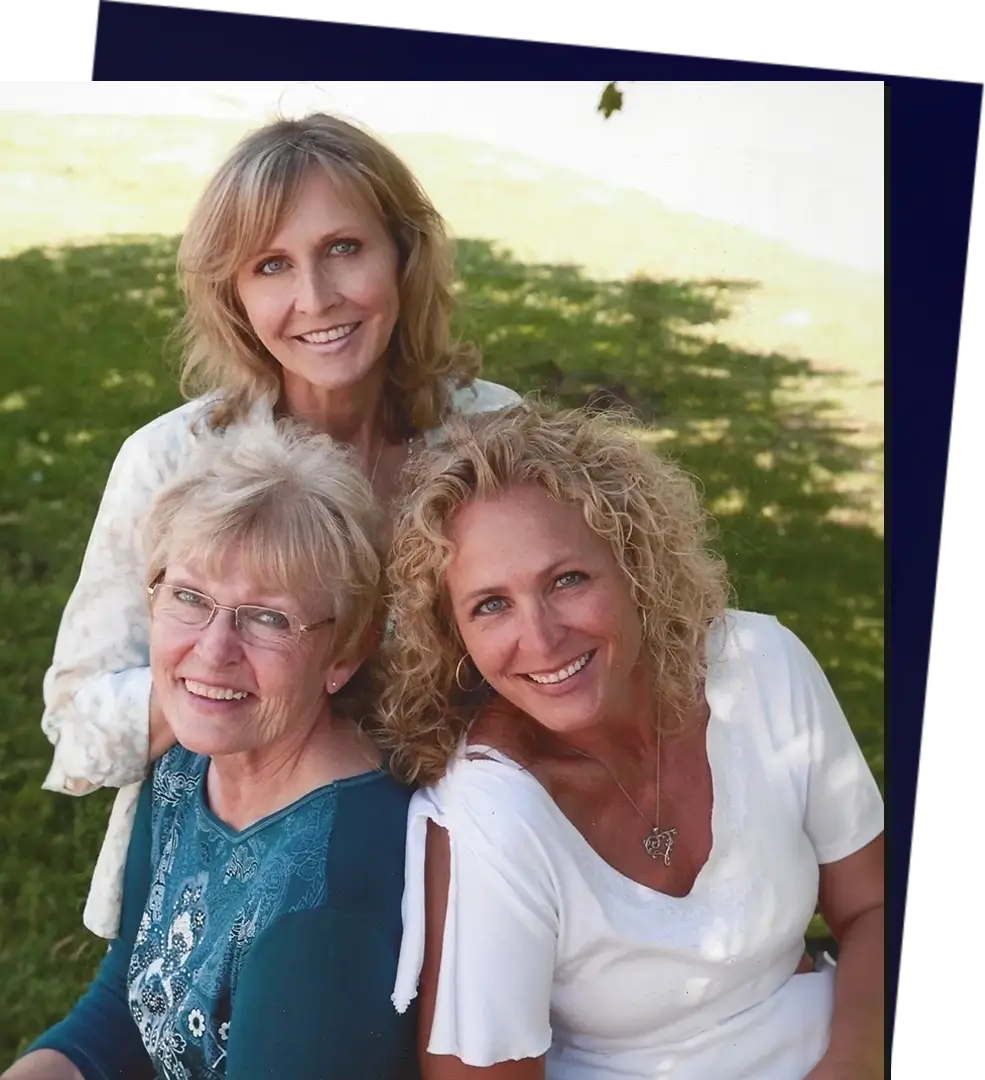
549,950
97,689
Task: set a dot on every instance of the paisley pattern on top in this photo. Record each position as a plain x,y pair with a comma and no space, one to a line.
213,893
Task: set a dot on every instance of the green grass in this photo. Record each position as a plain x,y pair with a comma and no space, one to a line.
789,461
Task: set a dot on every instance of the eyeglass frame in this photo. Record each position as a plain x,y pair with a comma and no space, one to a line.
297,627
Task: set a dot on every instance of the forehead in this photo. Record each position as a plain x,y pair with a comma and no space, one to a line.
521,531
325,201
228,578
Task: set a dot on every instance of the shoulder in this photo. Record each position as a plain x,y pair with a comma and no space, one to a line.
758,642
375,801
481,396
155,451
176,776
493,807
175,428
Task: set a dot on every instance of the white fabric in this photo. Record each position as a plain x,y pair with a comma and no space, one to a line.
97,689
549,950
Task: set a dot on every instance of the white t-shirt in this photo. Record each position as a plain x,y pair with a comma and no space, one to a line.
97,688
548,949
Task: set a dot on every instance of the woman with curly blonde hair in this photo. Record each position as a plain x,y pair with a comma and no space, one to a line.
317,282
634,797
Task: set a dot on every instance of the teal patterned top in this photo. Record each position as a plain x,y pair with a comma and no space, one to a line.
269,952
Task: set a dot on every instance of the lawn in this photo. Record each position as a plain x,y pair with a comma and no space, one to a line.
789,464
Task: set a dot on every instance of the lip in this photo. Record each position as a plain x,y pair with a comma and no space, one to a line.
329,346
573,682
214,704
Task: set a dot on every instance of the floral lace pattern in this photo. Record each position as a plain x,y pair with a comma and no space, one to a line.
97,688
212,894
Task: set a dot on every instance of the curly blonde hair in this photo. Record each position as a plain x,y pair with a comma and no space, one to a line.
241,209
646,508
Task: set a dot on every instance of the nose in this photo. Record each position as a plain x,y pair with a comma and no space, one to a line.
317,289
540,632
218,644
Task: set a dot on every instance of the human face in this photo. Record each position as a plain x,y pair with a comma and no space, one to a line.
548,618
281,692
322,297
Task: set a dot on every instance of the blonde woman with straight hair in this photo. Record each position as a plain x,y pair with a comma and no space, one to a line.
317,282
260,922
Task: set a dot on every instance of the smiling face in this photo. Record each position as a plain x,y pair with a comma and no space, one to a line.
322,297
548,618
225,694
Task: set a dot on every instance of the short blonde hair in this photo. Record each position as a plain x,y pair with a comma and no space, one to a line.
295,509
646,508
242,208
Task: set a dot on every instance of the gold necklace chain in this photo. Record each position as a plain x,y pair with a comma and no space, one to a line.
658,843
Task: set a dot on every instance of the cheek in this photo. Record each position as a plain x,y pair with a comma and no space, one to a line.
376,287
263,305
288,676
488,646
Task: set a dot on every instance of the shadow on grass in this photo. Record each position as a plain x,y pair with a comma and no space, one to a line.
81,367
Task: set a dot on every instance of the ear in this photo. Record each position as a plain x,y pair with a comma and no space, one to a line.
340,672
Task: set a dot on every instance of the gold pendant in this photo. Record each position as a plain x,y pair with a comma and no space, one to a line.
660,843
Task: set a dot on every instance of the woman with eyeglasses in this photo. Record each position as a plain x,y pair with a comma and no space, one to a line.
261,901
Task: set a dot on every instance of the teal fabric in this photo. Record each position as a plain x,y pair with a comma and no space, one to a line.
269,952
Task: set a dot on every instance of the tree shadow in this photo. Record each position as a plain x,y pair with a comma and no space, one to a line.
795,494
82,366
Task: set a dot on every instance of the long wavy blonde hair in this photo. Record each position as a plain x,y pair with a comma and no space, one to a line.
241,209
645,507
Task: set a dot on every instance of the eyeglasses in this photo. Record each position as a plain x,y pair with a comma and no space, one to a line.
261,626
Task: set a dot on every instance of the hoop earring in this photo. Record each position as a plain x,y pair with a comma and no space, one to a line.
458,674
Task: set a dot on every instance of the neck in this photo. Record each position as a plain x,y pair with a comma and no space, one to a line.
247,786
353,415
625,741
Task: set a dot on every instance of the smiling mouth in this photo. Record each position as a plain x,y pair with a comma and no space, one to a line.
562,674
323,337
214,693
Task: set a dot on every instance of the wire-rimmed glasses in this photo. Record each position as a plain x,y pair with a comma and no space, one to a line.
263,626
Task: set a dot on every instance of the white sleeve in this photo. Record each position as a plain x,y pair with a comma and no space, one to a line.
843,806
501,927
97,688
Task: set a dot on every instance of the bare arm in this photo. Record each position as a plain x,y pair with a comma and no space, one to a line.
852,897
42,1065
437,875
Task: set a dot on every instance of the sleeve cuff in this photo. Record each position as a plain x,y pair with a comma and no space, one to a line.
89,754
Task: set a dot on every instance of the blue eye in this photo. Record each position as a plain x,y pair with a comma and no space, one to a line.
271,266
489,607
350,246
267,618
190,598
572,577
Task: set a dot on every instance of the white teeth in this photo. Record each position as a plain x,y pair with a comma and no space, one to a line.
216,693
565,673
322,337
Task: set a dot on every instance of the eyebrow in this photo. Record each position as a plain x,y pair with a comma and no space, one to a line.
274,601
496,590
341,233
